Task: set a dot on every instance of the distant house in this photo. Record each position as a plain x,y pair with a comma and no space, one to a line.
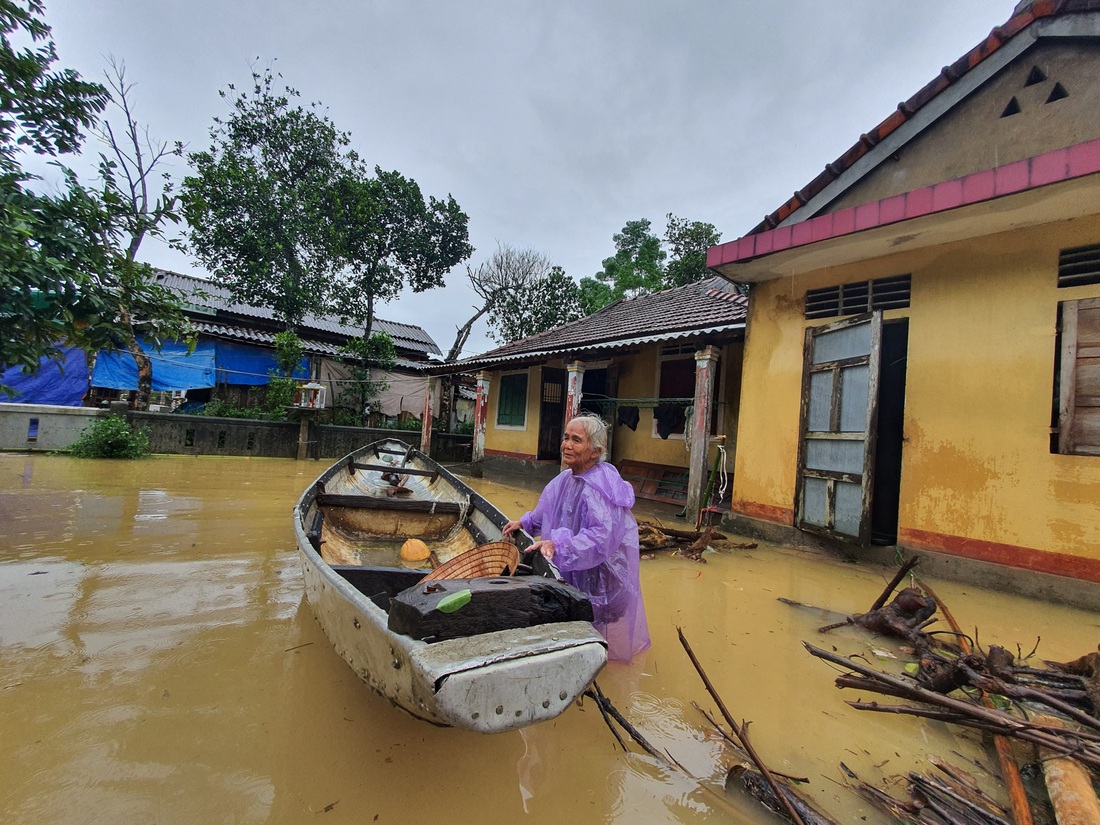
644,364
923,344
235,355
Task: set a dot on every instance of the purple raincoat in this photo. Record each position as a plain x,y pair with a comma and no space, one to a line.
595,536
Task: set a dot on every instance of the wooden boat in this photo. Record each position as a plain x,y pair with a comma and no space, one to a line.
349,525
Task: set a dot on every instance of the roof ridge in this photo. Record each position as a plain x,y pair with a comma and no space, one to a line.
332,319
1024,14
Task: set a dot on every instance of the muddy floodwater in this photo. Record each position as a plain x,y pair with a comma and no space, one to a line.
158,664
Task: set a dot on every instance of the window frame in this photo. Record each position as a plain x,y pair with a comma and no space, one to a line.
525,375
673,352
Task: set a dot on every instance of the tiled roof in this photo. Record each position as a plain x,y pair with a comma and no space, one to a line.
704,307
406,336
1023,16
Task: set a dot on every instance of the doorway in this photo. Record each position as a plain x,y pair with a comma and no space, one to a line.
886,493
551,414
851,431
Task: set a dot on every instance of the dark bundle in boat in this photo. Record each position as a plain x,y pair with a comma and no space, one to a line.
453,608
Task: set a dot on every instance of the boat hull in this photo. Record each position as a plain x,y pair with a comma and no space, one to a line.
489,683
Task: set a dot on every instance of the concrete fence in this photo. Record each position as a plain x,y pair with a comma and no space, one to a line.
41,427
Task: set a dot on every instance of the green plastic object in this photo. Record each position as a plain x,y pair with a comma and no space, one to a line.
451,603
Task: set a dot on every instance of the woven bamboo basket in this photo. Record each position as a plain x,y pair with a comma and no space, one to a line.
486,560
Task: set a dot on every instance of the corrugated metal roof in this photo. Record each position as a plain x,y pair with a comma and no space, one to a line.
249,335
206,294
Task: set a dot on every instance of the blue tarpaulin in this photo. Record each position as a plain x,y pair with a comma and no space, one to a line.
245,364
62,383
173,367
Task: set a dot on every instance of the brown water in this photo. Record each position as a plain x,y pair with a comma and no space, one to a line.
158,664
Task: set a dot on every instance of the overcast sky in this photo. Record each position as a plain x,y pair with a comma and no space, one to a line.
551,122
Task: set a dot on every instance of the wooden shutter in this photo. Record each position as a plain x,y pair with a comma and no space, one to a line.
512,404
1079,381
837,435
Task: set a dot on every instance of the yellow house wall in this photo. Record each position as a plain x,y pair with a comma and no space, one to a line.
976,462
638,378
511,440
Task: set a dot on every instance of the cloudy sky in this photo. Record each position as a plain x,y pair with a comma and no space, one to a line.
551,122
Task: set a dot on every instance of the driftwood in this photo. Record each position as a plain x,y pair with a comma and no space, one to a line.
688,543
609,712
936,800
1088,669
997,661
786,807
754,783
1084,745
905,617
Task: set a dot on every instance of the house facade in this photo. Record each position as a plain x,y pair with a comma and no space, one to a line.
235,354
658,368
923,339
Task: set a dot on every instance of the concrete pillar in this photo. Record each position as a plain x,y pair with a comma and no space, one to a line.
426,417
573,392
481,416
706,360
303,435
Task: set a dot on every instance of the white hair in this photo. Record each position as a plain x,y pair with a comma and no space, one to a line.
595,428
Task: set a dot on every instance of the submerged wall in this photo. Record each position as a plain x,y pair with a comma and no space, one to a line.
40,427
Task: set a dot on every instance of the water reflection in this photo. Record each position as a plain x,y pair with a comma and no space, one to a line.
158,663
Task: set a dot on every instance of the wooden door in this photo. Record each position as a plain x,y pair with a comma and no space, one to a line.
838,428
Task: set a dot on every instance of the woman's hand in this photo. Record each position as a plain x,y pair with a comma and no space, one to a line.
510,528
546,547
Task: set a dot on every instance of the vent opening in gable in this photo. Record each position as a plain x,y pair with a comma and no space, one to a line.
1057,93
1036,75
858,297
1079,266
1013,108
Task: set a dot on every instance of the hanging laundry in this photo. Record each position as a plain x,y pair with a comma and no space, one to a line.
629,416
669,418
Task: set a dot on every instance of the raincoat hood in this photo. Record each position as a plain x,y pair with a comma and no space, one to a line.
605,479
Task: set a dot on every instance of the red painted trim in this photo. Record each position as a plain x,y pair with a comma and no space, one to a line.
1041,170
509,454
1009,555
764,512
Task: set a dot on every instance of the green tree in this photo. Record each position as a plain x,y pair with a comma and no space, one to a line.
542,304
259,204
639,266
289,352
110,437
688,242
46,293
391,237
365,358
67,261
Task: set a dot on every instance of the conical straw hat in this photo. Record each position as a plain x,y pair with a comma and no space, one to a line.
487,560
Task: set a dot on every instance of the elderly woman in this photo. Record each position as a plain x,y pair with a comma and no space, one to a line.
583,518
